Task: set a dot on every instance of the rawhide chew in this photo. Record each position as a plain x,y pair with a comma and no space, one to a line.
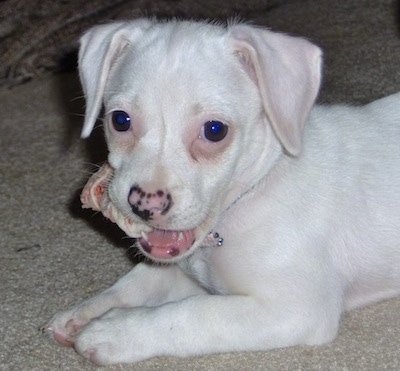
95,196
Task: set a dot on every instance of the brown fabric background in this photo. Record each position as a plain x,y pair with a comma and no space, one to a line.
40,35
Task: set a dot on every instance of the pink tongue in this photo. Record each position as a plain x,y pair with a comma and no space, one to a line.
167,244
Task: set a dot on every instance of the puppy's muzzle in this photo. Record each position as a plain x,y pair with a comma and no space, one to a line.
149,205
152,206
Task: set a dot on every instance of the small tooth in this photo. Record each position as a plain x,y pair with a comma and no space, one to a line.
180,236
144,235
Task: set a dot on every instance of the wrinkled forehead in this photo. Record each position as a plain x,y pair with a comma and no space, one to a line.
175,60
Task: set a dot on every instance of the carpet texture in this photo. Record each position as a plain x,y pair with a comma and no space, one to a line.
53,254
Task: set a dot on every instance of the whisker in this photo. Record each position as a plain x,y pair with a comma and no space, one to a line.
77,98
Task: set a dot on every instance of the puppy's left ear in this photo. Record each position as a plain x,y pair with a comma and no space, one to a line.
99,49
287,71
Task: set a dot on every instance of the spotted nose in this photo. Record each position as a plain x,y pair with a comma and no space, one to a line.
149,205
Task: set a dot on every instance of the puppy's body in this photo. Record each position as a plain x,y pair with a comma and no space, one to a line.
339,199
307,200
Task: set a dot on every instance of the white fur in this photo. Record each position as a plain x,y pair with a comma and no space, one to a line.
307,200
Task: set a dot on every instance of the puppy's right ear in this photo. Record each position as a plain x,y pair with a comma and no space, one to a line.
99,48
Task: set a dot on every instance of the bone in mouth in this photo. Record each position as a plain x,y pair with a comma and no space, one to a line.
95,196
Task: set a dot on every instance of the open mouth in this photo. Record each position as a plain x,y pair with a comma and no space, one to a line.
165,244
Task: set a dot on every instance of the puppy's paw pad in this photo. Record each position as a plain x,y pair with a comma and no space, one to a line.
91,355
100,352
63,339
63,329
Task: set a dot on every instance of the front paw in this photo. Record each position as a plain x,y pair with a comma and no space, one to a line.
64,327
110,339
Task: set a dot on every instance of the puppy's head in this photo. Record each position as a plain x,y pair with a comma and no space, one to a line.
195,115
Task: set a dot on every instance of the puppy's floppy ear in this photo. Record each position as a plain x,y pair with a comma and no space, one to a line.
287,71
99,48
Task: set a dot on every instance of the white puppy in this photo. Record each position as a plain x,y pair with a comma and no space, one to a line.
211,131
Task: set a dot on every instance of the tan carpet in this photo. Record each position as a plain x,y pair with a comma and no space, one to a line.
52,253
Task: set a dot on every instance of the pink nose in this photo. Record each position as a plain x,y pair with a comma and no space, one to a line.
149,205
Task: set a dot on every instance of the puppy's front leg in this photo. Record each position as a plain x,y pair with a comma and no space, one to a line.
197,325
144,285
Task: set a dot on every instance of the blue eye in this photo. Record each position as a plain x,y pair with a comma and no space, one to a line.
121,121
215,131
